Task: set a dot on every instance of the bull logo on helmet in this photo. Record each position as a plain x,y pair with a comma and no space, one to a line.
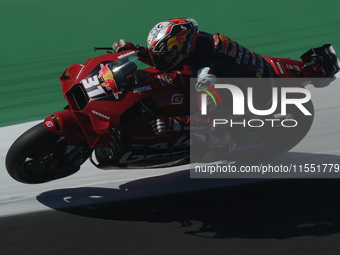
178,39
107,80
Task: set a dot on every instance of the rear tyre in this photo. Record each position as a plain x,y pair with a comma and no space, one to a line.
282,139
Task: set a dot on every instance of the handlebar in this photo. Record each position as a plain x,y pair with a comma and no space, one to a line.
102,48
316,60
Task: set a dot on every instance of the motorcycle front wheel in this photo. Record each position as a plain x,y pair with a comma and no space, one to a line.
39,156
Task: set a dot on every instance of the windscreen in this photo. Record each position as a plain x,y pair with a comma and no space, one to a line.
111,80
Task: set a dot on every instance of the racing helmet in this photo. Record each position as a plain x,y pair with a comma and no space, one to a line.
170,42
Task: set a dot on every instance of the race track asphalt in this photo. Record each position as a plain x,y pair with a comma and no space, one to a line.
281,217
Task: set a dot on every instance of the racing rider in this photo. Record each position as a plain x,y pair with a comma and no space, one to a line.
177,42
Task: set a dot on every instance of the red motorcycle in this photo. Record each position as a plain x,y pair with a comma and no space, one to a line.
113,98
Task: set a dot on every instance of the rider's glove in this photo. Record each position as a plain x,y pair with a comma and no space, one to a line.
201,85
205,79
164,125
122,45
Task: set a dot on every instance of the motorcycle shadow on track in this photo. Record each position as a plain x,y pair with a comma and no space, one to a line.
214,208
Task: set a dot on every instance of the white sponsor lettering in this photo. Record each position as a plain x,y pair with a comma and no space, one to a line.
142,89
280,67
49,124
100,114
177,99
126,54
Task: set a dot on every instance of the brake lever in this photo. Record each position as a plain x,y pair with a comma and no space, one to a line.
313,62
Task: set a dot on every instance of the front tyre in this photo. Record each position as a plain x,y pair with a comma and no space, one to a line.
39,156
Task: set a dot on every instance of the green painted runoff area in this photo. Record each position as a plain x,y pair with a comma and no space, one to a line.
40,38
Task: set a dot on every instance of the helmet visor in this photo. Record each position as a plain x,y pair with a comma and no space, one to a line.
163,61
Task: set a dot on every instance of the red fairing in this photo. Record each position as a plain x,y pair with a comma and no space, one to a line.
64,124
289,68
97,99
69,76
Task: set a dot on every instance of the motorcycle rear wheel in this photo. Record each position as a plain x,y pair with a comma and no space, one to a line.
39,156
282,140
